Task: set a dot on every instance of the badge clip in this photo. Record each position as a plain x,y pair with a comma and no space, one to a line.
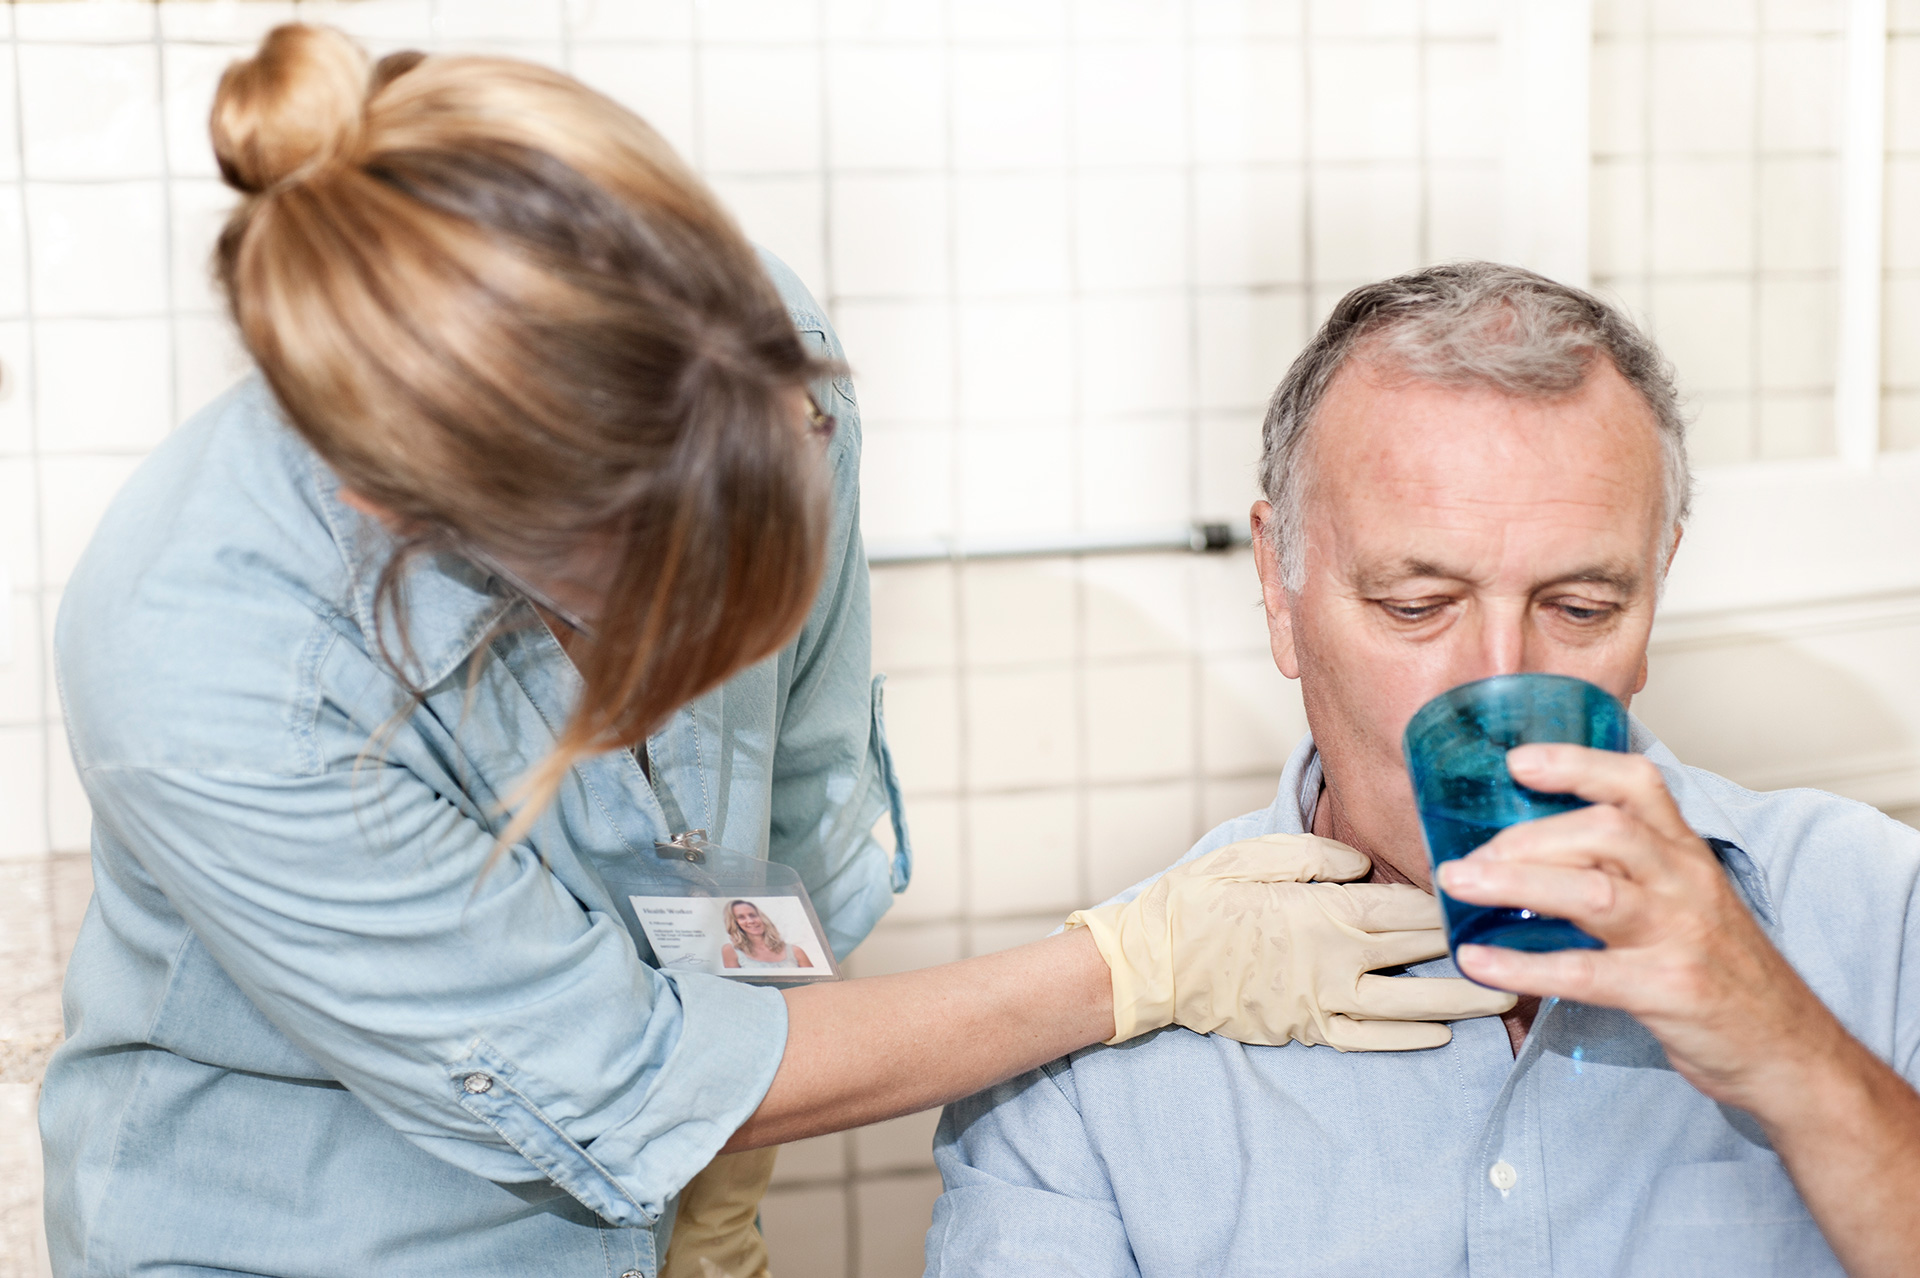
688,845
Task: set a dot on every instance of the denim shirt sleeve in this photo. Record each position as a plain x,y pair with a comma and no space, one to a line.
1025,1189
833,775
490,1019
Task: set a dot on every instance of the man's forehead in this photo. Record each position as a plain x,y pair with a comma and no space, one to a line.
1380,438
1411,479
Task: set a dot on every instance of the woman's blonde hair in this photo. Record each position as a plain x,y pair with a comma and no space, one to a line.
501,308
776,943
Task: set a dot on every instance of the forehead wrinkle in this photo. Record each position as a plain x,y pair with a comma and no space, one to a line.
1379,576
1437,498
1618,574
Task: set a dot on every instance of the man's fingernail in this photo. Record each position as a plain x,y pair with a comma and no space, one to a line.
1458,874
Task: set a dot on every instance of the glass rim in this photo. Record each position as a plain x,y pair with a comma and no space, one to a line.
1448,705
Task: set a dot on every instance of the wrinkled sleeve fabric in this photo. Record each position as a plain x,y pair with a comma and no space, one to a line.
1026,1191
833,775
490,1018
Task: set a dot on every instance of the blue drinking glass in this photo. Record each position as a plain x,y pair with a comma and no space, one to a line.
1456,747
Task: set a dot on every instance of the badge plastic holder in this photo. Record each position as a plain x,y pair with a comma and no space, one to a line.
695,886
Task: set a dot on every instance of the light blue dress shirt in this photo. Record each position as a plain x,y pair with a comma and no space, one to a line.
1587,1156
306,1036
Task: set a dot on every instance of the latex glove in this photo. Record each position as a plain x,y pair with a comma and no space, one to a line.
713,1234
1239,942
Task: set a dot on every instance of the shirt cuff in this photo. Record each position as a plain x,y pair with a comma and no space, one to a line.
732,1038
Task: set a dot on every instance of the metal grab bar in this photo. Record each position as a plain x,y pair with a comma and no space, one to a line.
1199,538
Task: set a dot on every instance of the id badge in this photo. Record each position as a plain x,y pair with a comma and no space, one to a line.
705,908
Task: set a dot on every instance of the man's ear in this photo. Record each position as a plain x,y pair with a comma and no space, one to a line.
1273,590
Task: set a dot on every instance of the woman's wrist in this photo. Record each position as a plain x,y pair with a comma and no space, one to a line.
1095,981
869,1049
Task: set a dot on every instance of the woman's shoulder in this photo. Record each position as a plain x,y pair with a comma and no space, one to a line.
808,315
209,574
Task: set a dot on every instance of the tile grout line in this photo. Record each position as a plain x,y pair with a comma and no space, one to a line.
168,225
1074,170
35,453
1646,160
696,107
1310,306
38,606
1422,149
1196,428
825,171
1076,462
957,571
1756,440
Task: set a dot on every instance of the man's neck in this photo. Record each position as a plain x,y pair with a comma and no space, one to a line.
1327,824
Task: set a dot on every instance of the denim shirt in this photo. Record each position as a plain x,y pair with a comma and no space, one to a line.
1585,1156
306,1035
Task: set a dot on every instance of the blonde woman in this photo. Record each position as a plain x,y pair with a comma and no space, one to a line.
755,942
532,543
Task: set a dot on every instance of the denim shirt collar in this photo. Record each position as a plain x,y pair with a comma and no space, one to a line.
451,604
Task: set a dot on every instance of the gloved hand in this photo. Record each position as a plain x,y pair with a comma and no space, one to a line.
714,1235
1239,942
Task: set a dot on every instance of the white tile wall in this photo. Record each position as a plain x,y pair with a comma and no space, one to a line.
1900,403
1715,136
1070,246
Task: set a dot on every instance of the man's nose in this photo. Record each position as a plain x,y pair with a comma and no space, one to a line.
1500,647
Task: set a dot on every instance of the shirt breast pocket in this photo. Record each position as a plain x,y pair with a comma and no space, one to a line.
1741,1217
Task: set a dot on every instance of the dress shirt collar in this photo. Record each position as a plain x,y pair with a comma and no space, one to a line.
1302,782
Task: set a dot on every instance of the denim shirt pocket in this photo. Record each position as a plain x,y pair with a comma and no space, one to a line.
882,761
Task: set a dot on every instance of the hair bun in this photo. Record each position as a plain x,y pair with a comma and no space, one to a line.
294,105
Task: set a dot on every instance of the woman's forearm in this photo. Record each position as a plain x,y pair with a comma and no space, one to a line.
864,1050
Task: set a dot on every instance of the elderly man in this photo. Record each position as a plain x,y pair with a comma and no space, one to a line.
1473,471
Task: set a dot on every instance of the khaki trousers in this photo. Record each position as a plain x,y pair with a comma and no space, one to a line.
714,1235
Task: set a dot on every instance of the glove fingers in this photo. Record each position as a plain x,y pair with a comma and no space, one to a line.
1284,858
1397,949
1350,1035
1425,998
1379,907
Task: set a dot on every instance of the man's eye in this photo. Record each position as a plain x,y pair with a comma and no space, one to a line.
1583,609
1417,611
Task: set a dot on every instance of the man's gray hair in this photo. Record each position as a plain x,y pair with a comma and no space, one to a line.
1463,324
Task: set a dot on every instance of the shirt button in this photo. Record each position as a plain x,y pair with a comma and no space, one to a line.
477,1084
633,1273
1503,1176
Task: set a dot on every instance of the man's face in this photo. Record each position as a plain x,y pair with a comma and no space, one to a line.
1453,534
